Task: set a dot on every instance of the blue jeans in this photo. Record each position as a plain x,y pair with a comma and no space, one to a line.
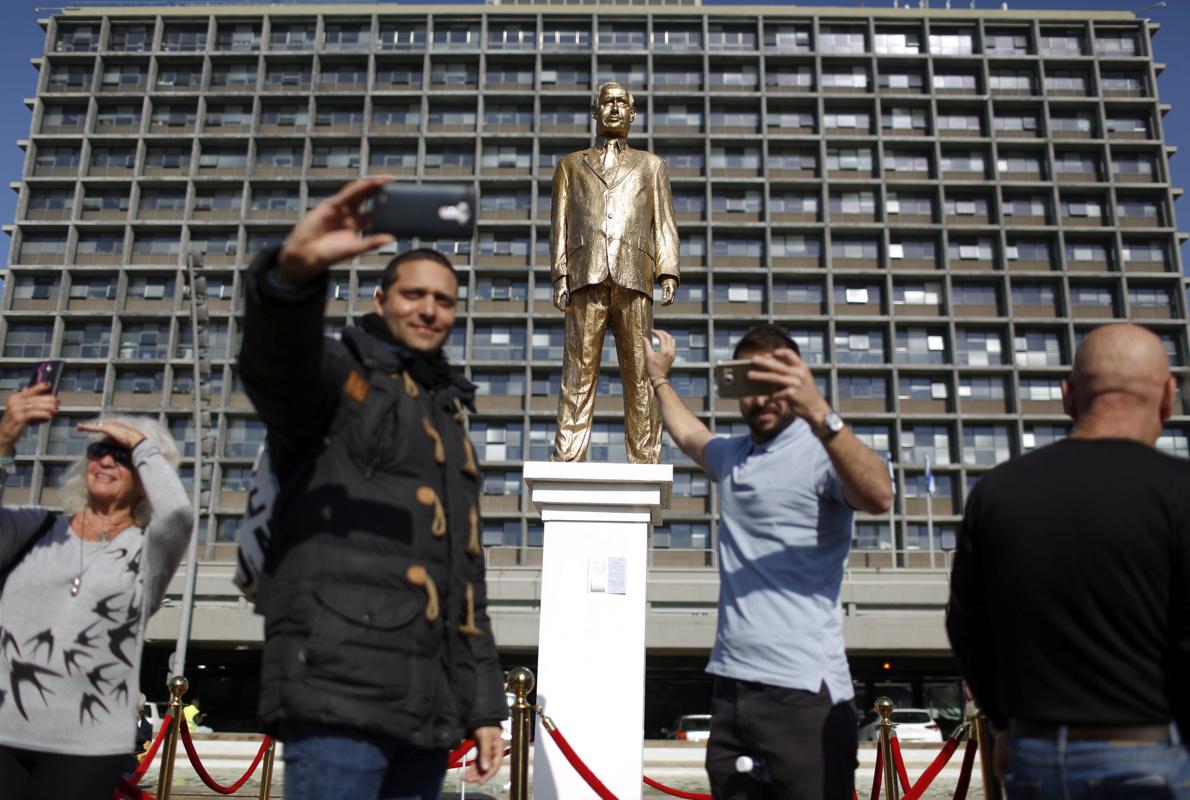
1097,770
326,763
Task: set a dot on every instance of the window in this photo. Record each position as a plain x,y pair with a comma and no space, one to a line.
157,244
150,287
1024,206
956,42
1006,42
846,78
965,82
982,387
1037,349
722,36
1090,208
1077,163
402,35
162,200
347,36
840,39
227,115
898,42
741,158
979,347
811,343
847,159
336,156
969,161
234,74
1042,295
56,157
1061,43
905,203
864,346
865,249
497,440
876,437
1145,252
1175,442
242,437
905,119
86,339
46,248
917,294
906,161
1082,255
791,77
863,387
291,36
975,294
794,246
1067,81
966,206
28,340
1041,390
1140,165
913,250
144,340
117,116
970,250
1130,124
179,76
1016,81
1029,250
986,445
499,343
101,243
971,122
1116,43
853,203
228,200
803,292
787,38
920,346
668,36
1078,122
747,202
223,157
902,79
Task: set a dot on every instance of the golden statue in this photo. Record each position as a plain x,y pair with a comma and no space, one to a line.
612,234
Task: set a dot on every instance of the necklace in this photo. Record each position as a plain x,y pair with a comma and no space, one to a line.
104,538
76,583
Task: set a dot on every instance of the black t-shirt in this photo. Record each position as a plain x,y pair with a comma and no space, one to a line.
1069,599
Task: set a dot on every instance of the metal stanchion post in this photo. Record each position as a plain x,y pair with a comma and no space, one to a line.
884,707
178,686
520,683
986,743
266,770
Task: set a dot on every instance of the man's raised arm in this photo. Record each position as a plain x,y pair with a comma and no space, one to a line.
687,430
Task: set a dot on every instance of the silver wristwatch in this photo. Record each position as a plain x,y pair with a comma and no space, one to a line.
830,426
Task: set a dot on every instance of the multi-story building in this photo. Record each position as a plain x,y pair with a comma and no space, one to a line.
937,204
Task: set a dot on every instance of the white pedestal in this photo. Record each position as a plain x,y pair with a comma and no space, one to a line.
591,649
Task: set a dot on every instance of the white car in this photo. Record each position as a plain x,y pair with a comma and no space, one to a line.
913,725
693,728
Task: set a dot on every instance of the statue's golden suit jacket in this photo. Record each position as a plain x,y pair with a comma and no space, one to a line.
619,224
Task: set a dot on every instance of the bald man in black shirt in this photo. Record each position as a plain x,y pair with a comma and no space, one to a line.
1070,598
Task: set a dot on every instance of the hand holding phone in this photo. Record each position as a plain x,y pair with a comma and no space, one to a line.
48,372
32,405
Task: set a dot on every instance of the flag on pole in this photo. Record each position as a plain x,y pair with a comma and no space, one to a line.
931,487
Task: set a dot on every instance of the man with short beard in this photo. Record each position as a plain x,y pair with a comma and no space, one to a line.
788,491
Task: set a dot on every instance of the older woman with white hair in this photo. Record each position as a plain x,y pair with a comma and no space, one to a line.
76,590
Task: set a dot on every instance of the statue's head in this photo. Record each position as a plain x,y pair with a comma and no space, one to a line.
613,110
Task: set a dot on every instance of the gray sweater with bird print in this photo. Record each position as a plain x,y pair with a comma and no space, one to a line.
70,663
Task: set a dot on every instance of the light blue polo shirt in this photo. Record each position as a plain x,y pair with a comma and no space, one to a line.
784,535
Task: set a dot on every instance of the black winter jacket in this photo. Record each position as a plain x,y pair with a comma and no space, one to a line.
373,589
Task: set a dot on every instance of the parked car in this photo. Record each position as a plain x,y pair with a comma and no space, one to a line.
913,725
692,728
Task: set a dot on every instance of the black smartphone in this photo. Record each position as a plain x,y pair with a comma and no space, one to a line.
732,379
48,372
425,210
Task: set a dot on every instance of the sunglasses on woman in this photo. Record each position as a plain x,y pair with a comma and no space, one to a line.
121,455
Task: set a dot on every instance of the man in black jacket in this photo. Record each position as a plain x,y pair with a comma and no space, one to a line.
1070,599
378,651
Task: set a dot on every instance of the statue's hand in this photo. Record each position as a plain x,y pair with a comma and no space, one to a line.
561,296
668,287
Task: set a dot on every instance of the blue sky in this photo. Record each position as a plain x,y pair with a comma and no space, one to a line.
21,39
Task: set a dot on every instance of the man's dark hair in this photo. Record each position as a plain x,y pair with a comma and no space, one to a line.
421,254
765,337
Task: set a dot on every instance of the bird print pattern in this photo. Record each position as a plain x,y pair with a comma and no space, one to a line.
72,663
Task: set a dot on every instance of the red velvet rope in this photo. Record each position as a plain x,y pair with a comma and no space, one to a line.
932,771
582,769
130,791
455,759
878,778
661,787
206,778
960,788
902,774
150,754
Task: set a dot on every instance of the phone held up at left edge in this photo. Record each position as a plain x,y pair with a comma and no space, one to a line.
48,372
425,210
